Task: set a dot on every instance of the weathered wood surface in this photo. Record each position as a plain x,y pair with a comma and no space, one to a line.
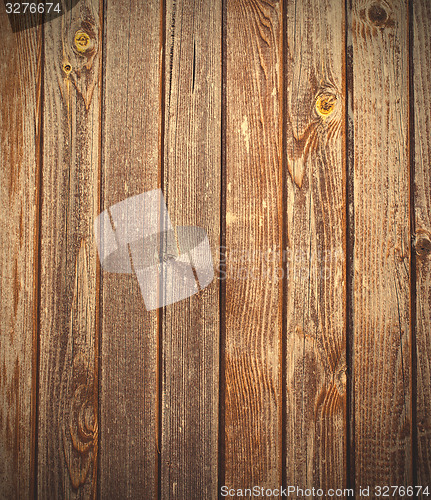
20,114
381,266
253,222
315,361
68,373
421,151
191,185
129,333
308,361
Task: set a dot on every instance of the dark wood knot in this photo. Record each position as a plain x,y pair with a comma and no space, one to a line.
378,15
422,243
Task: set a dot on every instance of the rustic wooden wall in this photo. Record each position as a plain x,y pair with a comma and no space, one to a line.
298,135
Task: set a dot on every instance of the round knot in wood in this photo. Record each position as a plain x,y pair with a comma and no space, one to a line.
82,41
377,14
325,104
422,244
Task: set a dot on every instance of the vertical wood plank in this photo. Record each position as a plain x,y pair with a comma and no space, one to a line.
421,50
20,111
382,367
315,295
68,402
191,182
128,394
252,442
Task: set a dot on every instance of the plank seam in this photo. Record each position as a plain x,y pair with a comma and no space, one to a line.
159,367
284,204
99,275
222,265
37,271
350,242
413,310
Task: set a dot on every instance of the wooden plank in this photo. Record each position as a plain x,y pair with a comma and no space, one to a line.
128,394
68,388
421,78
382,367
20,112
315,361
191,184
252,337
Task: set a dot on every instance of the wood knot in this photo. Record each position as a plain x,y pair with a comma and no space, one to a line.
377,15
340,376
67,68
325,104
82,42
422,243
424,425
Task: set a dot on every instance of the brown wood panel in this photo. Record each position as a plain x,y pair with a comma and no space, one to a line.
191,185
421,50
68,378
382,367
252,337
236,109
315,233
20,78
130,166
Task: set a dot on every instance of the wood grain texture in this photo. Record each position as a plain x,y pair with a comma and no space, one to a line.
191,185
382,368
131,111
68,378
252,404
315,282
236,109
421,25
20,78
